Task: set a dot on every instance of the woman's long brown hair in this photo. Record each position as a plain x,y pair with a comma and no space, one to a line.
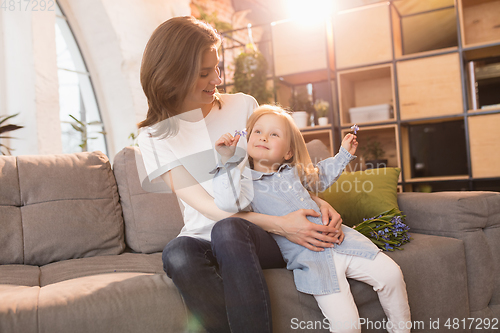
171,65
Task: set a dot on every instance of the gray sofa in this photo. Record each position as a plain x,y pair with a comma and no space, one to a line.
80,251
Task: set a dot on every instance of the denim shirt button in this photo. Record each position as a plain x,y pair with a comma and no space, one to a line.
301,199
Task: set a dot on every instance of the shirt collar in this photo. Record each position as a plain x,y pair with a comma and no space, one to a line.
256,175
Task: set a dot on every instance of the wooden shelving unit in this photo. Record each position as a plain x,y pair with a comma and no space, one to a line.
416,56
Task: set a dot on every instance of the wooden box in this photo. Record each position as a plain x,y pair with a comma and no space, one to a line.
386,135
302,49
423,26
363,36
430,87
479,21
364,87
484,137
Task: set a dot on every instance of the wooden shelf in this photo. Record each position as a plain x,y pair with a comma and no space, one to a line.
482,52
422,26
438,185
387,135
434,179
363,36
484,138
479,22
301,48
430,87
363,87
434,151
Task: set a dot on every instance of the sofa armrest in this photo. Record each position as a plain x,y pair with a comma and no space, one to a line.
473,217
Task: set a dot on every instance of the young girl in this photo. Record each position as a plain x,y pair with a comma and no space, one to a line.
278,182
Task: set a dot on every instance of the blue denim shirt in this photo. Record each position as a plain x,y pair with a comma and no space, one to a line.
238,188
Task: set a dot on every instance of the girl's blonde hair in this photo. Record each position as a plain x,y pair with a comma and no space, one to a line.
171,65
300,159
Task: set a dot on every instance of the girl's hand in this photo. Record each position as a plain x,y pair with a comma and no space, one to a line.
349,143
298,229
226,145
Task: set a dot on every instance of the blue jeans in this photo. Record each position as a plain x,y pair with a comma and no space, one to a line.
222,281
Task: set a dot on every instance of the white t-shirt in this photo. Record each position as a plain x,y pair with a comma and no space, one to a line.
193,148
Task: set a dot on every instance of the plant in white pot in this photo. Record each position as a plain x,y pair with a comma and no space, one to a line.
322,107
301,106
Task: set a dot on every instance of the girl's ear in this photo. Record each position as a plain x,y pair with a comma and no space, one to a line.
288,155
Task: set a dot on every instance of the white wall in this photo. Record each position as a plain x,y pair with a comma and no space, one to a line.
112,35
29,75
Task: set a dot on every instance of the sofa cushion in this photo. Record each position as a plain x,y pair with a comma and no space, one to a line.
11,242
317,151
151,212
115,302
66,207
76,268
21,275
19,308
363,194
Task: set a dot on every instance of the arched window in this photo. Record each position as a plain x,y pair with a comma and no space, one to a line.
81,125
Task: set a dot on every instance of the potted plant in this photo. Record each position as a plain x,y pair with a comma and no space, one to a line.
322,107
5,129
373,154
83,128
250,75
301,106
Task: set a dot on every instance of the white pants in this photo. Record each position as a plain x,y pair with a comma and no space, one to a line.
386,278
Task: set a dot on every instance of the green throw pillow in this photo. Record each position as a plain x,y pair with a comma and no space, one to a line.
363,194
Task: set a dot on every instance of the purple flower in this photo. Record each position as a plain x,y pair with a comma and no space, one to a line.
355,128
242,133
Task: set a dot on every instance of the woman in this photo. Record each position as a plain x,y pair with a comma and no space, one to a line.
217,267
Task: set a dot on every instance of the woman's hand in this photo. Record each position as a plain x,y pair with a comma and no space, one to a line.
329,216
226,146
298,229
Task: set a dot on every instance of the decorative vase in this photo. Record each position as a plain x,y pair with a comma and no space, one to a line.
323,121
300,118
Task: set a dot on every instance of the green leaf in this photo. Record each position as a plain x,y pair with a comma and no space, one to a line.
7,118
77,128
78,121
